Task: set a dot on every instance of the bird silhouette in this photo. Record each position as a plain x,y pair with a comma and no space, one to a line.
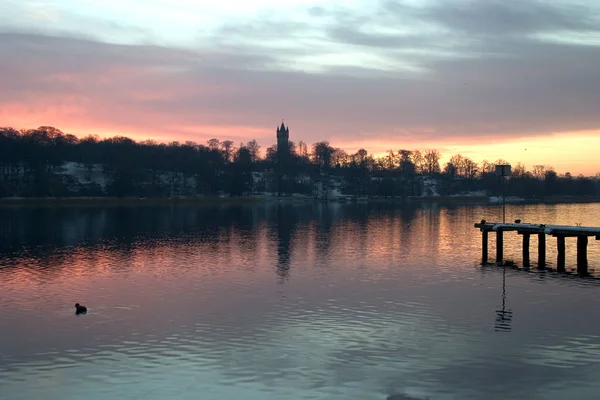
79,309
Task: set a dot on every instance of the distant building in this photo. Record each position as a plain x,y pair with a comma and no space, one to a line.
283,144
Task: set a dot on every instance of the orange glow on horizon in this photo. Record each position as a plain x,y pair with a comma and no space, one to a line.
573,152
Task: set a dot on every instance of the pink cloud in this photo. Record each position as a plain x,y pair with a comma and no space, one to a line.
152,92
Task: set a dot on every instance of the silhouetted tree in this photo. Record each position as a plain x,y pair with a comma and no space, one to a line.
322,154
431,162
48,162
254,150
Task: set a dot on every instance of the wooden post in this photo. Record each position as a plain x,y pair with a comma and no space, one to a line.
582,265
541,250
499,246
526,260
484,246
560,261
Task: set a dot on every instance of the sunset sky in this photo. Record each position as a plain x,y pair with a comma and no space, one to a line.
518,80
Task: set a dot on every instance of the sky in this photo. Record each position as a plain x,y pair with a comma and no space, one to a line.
489,79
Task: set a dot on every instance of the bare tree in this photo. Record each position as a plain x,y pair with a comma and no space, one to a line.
213,144
291,147
339,157
418,161
254,150
361,157
322,154
539,171
407,167
487,167
228,150
432,162
458,161
470,167
302,149
519,171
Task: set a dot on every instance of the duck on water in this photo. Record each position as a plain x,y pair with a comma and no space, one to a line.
79,309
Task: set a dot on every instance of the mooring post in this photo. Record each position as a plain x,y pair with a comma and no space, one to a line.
541,250
526,237
499,245
582,265
560,260
484,246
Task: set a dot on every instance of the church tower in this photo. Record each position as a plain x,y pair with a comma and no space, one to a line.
283,137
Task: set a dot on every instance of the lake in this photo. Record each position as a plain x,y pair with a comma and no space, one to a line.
332,302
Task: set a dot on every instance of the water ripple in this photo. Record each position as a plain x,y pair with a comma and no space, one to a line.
290,303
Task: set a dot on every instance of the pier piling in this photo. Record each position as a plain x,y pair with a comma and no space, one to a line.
541,250
560,259
582,263
526,261
499,246
484,247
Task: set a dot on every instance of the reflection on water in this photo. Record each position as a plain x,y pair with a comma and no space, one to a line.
503,316
289,302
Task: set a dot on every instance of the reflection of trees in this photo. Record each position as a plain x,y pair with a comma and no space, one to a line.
361,221
407,214
323,231
503,316
286,224
57,227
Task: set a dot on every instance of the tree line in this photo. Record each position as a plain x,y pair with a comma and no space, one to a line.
47,162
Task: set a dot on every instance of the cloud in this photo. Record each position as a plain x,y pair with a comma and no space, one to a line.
437,72
497,17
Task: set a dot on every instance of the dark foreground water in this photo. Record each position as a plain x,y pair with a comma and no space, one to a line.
330,302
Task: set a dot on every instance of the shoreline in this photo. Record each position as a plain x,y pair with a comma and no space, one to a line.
259,199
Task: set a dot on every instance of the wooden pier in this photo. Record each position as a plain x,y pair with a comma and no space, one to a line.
560,232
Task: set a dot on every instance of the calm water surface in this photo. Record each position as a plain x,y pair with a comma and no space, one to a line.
290,302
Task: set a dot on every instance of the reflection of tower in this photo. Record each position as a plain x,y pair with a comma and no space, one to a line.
285,228
283,145
503,317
